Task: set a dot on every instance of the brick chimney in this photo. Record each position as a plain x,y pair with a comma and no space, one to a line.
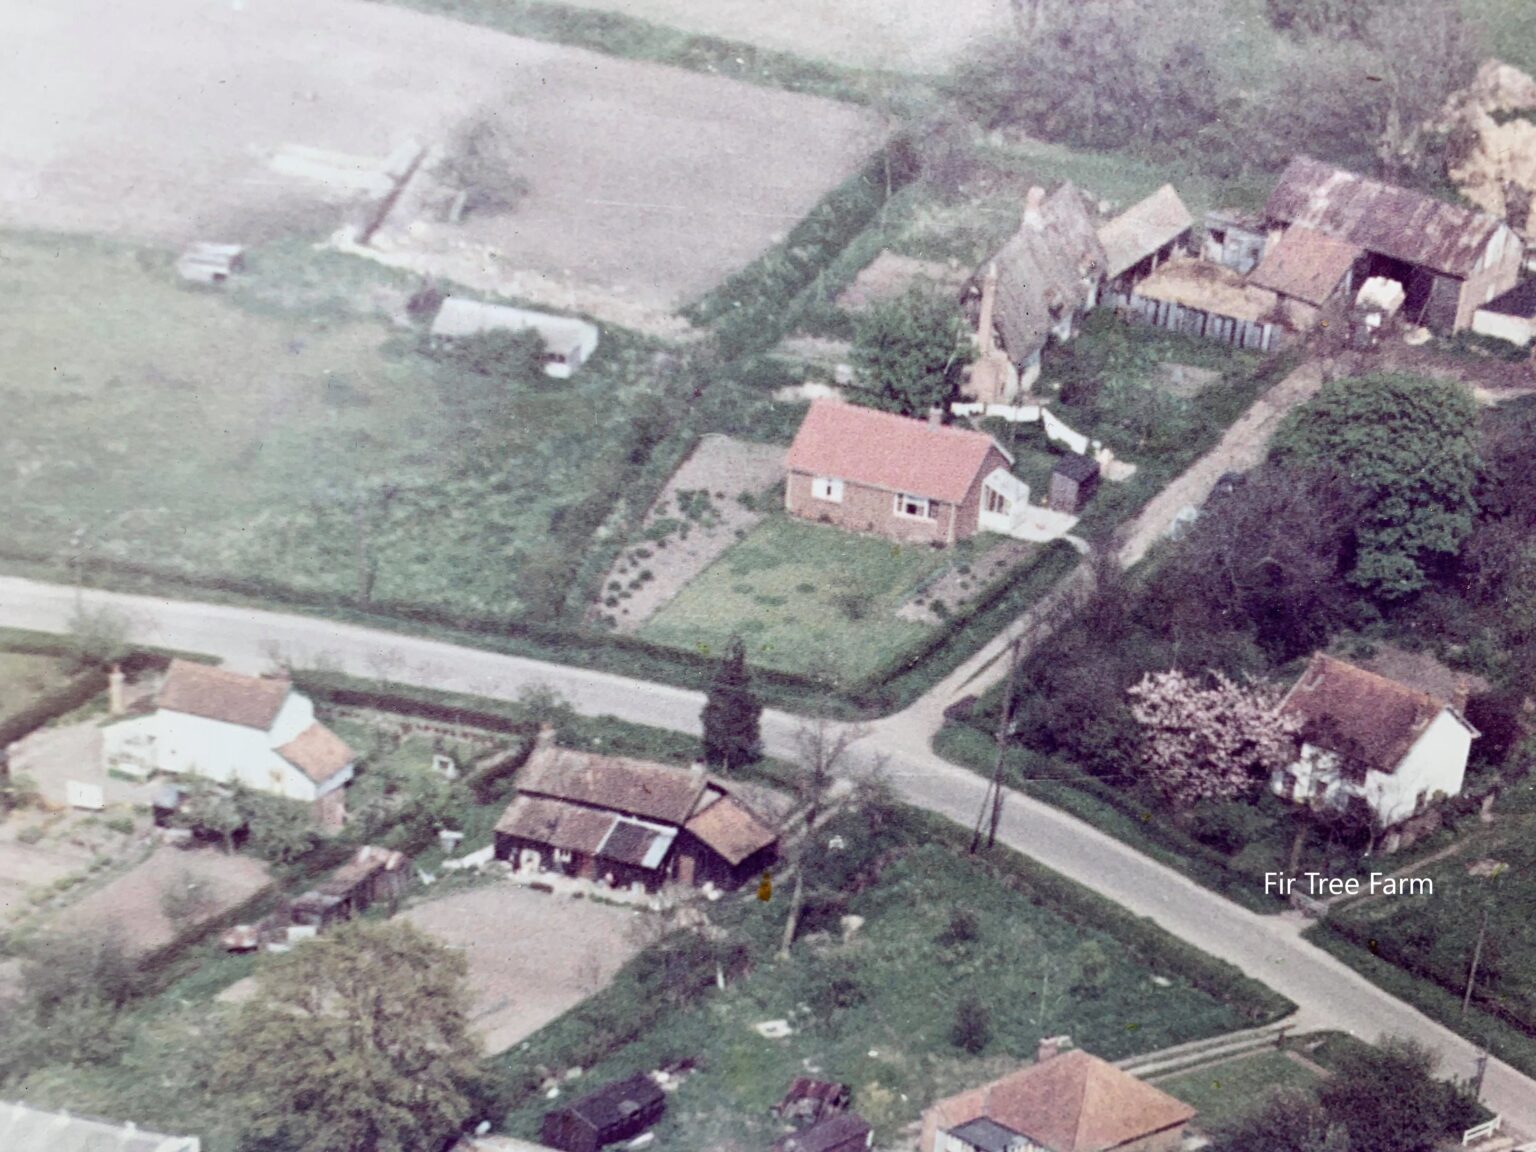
984,337
1050,1047
1034,201
116,703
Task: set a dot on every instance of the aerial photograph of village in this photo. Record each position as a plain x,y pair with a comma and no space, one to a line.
745,576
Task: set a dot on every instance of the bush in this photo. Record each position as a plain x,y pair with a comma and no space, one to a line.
972,1029
964,927
1228,827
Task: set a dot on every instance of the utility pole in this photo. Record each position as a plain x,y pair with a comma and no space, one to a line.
1477,955
1477,1078
991,812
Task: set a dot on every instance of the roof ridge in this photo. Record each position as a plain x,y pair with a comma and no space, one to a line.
1392,682
967,433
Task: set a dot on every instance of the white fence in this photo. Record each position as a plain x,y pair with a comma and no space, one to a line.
1483,1131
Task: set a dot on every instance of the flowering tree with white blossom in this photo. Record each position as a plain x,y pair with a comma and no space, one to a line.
1215,742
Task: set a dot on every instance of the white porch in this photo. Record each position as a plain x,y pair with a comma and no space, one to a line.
1006,510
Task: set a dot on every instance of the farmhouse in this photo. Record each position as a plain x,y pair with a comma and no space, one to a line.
1450,260
913,481
231,728
1363,735
1071,1102
568,342
1048,276
1143,238
25,1129
630,822
614,1112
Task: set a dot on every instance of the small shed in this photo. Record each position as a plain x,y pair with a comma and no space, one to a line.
568,342
1235,239
205,263
1074,480
372,875
846,1132
808,1101
616,1111
1510,316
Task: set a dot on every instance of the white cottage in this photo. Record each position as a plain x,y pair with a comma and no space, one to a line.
1362,734
227,727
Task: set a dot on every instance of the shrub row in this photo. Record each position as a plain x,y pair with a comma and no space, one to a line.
750,312
349,693
80,690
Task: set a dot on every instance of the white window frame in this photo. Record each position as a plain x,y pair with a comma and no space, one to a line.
827,488
927,510
561,855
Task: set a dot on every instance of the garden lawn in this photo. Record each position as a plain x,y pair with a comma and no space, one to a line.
877,1011
24,677
269,434
805,598
1225,1091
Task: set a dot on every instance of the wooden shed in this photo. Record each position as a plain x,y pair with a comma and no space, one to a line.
845,1132
1073,483
614,1112
374,874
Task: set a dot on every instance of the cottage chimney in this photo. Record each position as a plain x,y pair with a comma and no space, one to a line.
936,417
985,341
1050,1047
116,702
1034,201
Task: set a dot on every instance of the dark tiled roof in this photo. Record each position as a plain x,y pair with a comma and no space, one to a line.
218,694
616,1102
988,1135
639,787
631,843
1518,301
553,822
1381,218
827,1134
1075,467
731,830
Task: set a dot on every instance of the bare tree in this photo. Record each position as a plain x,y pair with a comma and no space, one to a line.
823,752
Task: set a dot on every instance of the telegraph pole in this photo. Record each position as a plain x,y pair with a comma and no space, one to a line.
991,812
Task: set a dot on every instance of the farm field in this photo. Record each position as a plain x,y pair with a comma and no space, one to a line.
172,427
647,183
804,598
874,1010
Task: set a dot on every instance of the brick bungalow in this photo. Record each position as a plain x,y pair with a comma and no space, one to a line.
631,822
1071,1102
913,481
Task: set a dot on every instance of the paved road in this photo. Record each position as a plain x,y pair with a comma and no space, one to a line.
1268,948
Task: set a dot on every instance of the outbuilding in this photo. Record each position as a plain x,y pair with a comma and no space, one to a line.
1074,480
616,1111
1510,316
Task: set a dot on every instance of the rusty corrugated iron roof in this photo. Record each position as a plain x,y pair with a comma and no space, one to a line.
1382,218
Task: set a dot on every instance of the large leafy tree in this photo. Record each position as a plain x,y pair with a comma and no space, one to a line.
1289,1120
1388,1099
732,713
908,351
1215,742
1408,446
356,1040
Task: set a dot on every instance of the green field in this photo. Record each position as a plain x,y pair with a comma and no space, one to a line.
283,433
1222,1092
805,598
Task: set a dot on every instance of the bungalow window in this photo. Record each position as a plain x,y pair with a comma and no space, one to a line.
996,501
827,488
562,856
916,507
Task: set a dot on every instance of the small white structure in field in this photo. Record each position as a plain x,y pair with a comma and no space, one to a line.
1363,735
205,263
568,342
231,728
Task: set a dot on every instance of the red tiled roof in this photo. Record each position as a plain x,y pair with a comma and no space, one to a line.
318,753
1074,1102
883,450
218,694
1305,265
1382,218
731,830
1367,720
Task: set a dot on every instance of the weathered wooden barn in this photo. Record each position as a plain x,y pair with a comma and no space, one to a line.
374,875
614,1112
1142,239
1209,300
1450,260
